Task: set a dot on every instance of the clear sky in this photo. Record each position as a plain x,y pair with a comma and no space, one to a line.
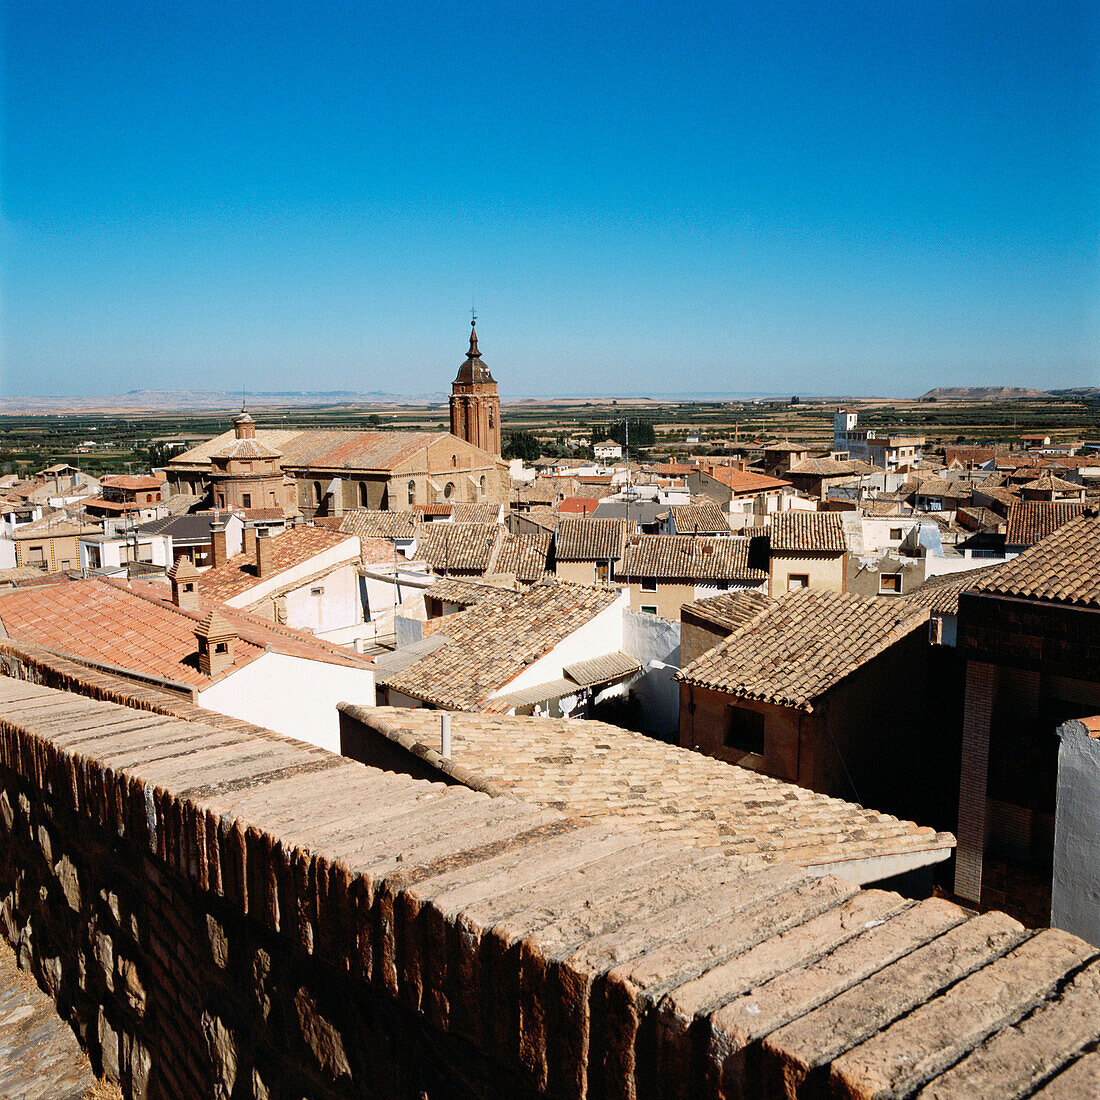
779,196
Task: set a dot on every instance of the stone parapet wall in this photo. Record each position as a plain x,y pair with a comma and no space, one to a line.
225,914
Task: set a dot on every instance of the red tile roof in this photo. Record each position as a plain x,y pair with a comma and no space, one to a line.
745,481
291,548
137,628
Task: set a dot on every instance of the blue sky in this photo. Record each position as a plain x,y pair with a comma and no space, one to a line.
847,197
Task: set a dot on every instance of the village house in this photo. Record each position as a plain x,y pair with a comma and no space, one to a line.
705,622
1030,521
1029,634
663,572
585,551
1047,487
807,550
781,454
307,578
127,495
826,690
747,496
888,452
51,543
702,517
607,451
218,657
556,648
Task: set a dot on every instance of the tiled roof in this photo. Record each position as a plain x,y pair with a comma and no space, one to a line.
467,593
592,770
703,519
803,644
1050,483
130,481
246,448
194,527
488,646
784,445
603,669
387,525
817,532
291,548
526,556
130,626
728,610
573,505
591,539
685,557
744,481
544,517
831,467
1063,568
1032,520
475,513
941,594
940,487
56,526
466,547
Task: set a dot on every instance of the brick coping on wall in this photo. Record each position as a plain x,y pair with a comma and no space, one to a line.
580,959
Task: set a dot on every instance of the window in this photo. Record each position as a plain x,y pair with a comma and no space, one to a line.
603,572
482,484
221,647
889,582
797,580
449,490
148,498
745,730
246,500
412,492
895,532
363,495
490,416
649,609
454,460
318,591
317,494
648,584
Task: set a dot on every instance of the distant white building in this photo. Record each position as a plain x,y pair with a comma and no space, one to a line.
888,452
608,450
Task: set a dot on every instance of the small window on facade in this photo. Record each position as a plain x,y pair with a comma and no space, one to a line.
454,460
889,582
895,532
745,730
148,498
482,484
363,500
797,580
490,416
603,572
246,498
649,584
649,609
317,494
412,492
318,591
221,647
449,490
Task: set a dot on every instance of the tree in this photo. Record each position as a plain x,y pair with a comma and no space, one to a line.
523,445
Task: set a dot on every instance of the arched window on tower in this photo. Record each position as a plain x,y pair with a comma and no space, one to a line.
482,484
363,503
318,495
490,416
412,492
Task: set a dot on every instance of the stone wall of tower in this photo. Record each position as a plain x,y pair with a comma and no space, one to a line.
475,416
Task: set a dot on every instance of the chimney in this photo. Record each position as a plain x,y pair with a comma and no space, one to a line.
184,577
215,637
265,553
219,549
248,540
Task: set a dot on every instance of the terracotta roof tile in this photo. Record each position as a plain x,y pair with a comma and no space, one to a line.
488,646
728,610
1029,521
374,524
941,594
745,481
685,557
699,519
803,644
289,549
458,547
526,556
1063,568
819,532
591,539
592,770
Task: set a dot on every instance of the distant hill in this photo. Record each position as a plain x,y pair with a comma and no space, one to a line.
1085,393
983,393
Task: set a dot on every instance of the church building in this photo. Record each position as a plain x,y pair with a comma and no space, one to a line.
327,473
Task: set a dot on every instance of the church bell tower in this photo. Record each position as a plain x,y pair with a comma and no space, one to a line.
475,406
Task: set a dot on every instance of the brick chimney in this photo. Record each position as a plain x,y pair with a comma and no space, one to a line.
184,577
248,540
215,637
265,553
219,547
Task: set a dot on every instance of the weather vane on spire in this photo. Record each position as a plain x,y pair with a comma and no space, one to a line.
473,316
